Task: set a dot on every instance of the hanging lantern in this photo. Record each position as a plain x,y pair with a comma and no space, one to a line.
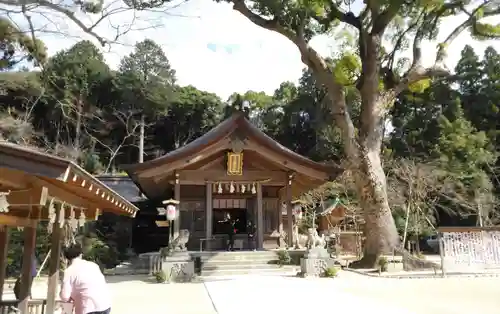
219,189
243,188
171,209
171,212
253,189
231,188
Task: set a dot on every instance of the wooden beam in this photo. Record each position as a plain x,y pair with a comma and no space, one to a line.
289,211
212,163
65,194
14,179
35,196
13,221
4,246
55,254
26,278
203,176
185,161
260,218
280,160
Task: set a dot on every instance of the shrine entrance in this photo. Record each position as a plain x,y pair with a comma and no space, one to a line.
234,168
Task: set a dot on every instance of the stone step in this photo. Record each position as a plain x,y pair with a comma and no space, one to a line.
246,266
222,263
239,256
264,271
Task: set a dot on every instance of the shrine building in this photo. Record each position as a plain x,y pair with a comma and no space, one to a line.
235,168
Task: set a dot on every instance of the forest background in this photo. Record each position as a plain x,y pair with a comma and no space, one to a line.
440,137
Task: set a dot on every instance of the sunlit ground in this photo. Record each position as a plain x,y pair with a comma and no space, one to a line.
273,294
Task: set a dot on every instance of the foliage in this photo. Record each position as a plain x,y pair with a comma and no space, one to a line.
383,264
284,257
439,150
17,46
15,250
97,251
330,272
160,276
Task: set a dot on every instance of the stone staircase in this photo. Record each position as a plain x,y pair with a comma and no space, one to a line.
213,264
220,264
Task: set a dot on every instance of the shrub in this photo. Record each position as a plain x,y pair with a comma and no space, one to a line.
284,257
160,276
331,272
382,264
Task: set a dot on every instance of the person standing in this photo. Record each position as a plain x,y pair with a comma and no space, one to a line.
251,235
84,284
230,227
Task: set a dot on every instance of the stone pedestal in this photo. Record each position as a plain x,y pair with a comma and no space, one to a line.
315,262
179,267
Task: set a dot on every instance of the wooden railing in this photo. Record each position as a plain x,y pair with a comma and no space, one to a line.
34,306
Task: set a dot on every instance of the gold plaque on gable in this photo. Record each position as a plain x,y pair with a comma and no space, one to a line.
234,164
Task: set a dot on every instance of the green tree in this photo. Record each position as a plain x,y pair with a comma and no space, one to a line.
146,84
379,82
17,46
72,76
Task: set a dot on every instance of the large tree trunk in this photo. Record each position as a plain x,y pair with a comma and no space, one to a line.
379,229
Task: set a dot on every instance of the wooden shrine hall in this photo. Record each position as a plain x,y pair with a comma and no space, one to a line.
235,168
37,187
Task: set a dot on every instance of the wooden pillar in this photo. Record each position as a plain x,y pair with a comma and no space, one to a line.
177,197
208,214
55,253
26,279
289,210
260,219
4,248
280,222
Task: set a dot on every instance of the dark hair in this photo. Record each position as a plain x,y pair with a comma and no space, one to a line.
73,251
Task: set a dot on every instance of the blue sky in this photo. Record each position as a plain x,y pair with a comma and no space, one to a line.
215,48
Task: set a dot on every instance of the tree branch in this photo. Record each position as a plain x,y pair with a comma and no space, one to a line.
417,72
381,21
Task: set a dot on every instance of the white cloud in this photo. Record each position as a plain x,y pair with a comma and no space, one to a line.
246,57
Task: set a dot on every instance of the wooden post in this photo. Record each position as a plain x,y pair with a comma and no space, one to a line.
280,222
289,211
208,215
260,219
441,253
26,279
55,253
4,248
177,197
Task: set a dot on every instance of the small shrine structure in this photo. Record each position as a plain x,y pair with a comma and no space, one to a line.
37,187
235,168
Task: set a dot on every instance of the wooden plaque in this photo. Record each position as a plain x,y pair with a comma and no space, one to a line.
235,164
162,223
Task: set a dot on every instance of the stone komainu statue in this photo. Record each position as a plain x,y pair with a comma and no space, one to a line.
179,243
314,240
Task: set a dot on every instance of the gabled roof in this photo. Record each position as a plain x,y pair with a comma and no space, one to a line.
211,142
64,178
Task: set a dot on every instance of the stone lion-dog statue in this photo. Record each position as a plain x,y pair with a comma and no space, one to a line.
179,243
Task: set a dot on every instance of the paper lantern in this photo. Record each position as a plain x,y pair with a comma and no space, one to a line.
171,212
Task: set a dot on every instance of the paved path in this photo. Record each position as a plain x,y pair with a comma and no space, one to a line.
273,294
357,293
268,294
